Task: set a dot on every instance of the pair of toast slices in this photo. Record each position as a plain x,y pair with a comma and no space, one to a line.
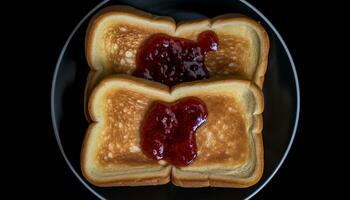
230,149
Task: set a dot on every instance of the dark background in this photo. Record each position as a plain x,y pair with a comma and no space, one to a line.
308,31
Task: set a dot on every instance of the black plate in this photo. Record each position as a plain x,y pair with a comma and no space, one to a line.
281,91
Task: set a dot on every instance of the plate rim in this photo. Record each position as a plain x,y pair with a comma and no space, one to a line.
58,63
296,119
53,117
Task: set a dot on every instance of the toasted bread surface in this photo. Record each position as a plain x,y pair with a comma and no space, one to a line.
116,33
230,152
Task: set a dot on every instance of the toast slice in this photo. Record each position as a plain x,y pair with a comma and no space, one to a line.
116,33
230,149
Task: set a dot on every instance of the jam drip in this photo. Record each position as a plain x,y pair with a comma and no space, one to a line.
168,131
172,60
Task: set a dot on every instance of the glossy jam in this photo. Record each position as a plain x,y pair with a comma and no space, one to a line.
168,131
171,60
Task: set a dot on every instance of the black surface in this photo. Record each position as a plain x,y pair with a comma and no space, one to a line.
299,175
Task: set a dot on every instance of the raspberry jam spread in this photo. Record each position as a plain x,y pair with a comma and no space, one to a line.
168,131
172,60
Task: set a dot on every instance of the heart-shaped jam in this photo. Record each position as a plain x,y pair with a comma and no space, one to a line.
168,131
172,60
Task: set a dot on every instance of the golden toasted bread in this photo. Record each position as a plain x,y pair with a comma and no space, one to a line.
115,35
230,149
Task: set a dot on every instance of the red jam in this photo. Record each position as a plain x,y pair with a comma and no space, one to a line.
172,60
168,132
